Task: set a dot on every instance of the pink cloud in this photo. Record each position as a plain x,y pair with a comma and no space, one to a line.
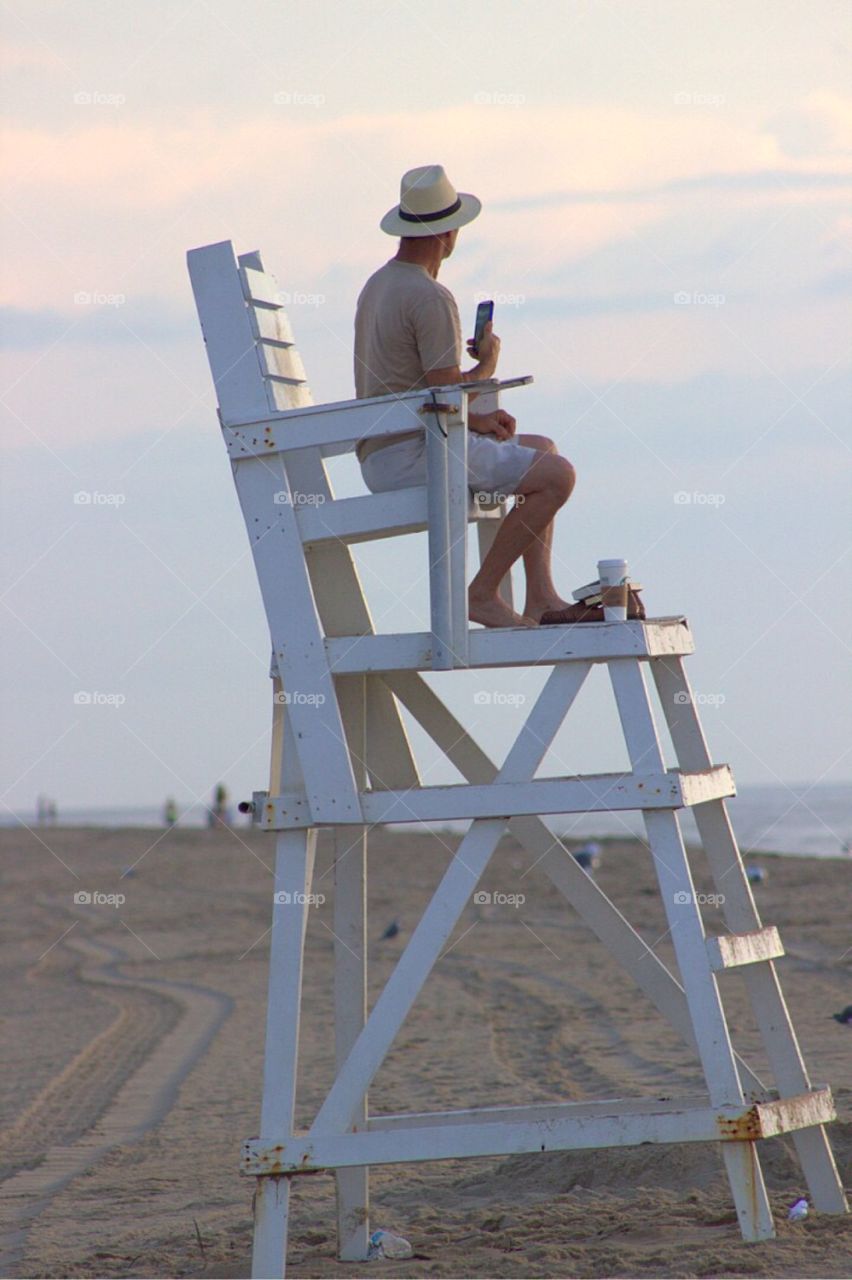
28,57
106,188
112,204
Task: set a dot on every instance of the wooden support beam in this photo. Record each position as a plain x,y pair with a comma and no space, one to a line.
458,503
561,1127
741,916
549,854
350,966
538,1112
515,647
339,1110
440,591
736,949
294,864
254,434
343,610
589,793
686,929
297,638
367,519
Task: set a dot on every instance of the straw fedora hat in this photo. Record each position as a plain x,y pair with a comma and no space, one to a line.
428,204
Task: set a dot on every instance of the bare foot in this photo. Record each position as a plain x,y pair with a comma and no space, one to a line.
494,613
535,608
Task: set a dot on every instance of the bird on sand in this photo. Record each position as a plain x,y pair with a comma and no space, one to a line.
391,931
845,1016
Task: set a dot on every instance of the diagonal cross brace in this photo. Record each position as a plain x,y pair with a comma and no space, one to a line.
438,921
602,916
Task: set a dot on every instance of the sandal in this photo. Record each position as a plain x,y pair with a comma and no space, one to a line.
570,614
574,613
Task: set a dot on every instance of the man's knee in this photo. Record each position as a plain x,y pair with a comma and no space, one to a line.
555,476
563,476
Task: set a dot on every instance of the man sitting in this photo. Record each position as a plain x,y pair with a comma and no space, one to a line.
408,336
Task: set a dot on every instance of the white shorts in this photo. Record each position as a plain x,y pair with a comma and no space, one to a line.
494,467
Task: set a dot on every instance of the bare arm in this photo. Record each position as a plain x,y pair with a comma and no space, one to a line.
489,352
499,423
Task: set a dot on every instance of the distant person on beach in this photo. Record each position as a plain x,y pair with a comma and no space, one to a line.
408,336
45,811
170,813
219,814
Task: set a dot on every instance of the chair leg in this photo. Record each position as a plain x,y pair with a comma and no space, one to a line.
294,863
741,916
687,935
350,999
350,965
271,1221
711,1031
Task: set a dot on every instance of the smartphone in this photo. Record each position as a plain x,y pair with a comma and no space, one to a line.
484,313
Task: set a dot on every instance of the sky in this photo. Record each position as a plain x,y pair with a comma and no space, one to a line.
666,232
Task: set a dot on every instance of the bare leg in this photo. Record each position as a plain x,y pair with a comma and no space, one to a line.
542,596
541,593
545,488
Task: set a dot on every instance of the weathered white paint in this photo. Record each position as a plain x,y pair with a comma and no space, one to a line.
642,965
619,1122
741,916
441,915
686,930
736,949
516,646
322,762
588,793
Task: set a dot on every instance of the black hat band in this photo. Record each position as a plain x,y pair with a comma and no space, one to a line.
430,217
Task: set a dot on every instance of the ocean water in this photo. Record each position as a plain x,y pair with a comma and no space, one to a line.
814,820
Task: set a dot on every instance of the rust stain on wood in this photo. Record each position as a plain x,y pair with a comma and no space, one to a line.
743,1128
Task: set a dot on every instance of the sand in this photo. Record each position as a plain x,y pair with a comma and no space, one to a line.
132,1048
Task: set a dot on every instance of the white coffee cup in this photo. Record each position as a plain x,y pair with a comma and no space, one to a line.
613,576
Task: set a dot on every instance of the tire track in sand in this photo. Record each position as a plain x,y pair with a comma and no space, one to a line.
114,1091
555,1035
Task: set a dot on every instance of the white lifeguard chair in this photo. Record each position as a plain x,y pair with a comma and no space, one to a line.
341,759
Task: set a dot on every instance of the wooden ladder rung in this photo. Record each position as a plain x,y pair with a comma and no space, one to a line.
736,949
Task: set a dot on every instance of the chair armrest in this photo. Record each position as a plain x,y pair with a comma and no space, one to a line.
487,384
342,422
380,402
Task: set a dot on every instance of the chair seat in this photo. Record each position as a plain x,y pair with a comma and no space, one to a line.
664,637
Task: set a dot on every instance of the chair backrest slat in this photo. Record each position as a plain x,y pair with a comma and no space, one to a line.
258,285
228,333
271,324
280,363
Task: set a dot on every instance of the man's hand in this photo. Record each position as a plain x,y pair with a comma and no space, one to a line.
499,424
486,354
